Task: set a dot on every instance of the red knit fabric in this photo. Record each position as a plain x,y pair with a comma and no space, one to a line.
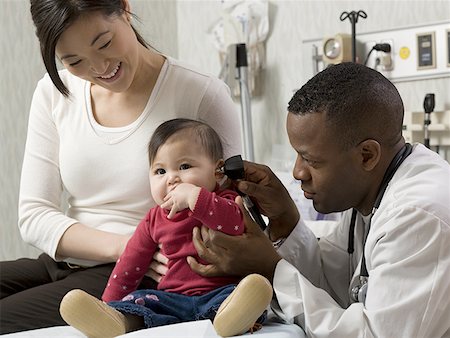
217,210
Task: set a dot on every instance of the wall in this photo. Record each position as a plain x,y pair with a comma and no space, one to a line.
288,64
179,28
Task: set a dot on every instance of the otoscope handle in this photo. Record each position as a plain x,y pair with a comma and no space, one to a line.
234,169
254,212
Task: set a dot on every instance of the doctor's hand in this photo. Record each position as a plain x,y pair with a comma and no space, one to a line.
251,252
272,198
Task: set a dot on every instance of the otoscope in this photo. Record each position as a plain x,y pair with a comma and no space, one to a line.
234,169
428,106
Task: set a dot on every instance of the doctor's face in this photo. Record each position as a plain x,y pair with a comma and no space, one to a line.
100,49
328,174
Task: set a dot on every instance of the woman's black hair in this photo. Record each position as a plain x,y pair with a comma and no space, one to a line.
52,17
205,134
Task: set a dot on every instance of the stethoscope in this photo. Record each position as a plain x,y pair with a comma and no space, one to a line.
358,292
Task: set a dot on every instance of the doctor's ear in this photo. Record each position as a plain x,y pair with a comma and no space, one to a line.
370,154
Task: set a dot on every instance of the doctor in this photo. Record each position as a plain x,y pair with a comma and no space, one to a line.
384,271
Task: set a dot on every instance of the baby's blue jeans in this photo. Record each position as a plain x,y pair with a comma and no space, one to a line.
163,308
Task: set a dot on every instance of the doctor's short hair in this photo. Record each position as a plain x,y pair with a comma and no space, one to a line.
204,134
52,17
359,104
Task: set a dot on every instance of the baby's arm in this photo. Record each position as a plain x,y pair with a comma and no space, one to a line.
218,211
132,265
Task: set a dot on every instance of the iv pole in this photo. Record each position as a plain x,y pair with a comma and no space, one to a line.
246,116
353,17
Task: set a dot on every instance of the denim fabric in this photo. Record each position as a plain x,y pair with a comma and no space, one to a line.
163,308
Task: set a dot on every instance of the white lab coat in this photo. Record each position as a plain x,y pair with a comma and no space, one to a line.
408,260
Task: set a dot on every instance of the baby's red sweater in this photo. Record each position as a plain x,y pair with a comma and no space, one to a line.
217,210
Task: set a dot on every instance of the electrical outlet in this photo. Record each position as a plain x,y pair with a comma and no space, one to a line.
378,59
386,59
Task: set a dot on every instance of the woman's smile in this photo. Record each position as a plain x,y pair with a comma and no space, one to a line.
113,75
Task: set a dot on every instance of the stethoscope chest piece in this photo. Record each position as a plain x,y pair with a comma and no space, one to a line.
359,291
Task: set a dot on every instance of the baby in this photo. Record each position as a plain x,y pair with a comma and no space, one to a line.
185,159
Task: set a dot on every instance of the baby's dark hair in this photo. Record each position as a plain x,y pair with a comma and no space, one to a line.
359,103
206,135
52,17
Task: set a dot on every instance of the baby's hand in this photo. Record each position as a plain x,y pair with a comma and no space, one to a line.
183,196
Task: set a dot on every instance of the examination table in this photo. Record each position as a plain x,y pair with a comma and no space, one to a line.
196,329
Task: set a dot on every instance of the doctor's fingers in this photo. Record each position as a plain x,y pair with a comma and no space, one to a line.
255,172
251,252
259,179
272,200
213,256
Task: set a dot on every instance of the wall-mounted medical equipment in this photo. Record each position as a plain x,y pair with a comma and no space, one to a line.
245,21
246,112
337,49
426,50
239,37
448,47
438,127
428,106
417,52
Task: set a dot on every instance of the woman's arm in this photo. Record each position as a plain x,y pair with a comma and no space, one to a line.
42,220
82,242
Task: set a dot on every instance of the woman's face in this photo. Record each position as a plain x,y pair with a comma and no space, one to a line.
100,49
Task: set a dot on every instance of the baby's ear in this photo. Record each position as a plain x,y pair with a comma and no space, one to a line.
222,179
219,170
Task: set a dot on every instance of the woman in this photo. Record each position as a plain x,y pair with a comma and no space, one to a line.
87,137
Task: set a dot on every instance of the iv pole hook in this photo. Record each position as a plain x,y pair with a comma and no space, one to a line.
353,17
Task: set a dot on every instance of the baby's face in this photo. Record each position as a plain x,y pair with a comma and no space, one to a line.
180,160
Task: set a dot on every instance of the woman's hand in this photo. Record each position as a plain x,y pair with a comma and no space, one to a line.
272,198
158,267
251,252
